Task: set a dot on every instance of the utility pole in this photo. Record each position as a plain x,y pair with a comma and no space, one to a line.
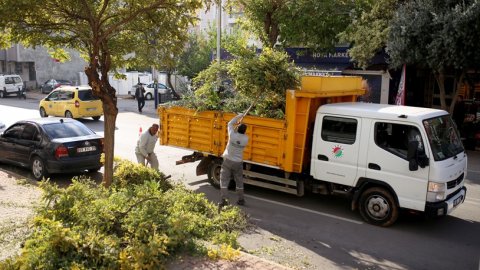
219,28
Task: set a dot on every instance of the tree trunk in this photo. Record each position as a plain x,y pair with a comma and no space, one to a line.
440,78
456,89
109,145
169,82
103,90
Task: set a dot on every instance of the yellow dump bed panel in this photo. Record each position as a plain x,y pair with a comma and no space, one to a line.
207,132
279,143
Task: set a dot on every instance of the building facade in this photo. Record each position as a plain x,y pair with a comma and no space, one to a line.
35,65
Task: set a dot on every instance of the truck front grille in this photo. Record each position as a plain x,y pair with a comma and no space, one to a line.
456,182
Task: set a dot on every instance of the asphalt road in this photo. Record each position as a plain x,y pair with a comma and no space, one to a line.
312,232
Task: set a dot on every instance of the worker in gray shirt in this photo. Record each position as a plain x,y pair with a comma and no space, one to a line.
233,160
145,146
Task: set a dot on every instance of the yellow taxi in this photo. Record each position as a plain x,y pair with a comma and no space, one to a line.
71,102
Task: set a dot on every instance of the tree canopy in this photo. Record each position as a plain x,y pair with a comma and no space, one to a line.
108,34
440,35
369,29
309,23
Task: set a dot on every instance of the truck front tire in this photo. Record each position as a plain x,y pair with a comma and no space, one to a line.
378,207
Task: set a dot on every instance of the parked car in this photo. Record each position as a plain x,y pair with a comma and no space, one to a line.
10,85
149,90
71,102
2,127
52,84
51,145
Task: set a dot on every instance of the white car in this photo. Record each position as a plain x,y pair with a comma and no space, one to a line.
149,90
10,85
2,127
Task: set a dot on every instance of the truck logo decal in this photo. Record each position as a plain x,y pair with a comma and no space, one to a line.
337,151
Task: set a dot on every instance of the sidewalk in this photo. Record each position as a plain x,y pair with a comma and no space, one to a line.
13,193
245,262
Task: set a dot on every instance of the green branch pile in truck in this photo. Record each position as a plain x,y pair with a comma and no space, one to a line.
383,157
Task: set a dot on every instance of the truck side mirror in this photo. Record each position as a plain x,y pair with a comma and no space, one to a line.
412,155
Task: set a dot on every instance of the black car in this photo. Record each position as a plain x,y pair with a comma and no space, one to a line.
51,145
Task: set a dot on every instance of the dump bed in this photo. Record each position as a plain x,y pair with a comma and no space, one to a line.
278,143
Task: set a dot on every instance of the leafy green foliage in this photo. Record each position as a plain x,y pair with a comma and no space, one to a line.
195,57
368,32
128,173
136,226
248,79
309,23
440,35
109,34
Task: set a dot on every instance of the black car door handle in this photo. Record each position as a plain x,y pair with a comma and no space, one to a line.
322,157
374,166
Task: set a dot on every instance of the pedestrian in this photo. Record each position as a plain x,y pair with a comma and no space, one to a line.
233,160
145,146
140,96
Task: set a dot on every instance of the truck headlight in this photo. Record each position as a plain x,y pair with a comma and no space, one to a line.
436,191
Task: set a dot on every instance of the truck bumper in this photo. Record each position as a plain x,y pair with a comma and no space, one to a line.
446,207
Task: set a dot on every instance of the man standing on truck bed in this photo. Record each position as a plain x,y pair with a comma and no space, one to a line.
233,160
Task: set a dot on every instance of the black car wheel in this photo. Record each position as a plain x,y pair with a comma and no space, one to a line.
68,114
39,170
43,113
96,118
2,94
378,207
148,96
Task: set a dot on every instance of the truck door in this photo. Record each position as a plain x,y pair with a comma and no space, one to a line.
335,150
387,161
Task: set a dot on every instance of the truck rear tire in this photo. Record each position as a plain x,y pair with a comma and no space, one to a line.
378,207
214,172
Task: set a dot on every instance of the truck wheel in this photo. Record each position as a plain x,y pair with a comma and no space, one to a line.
214,172
2,94
39,170
378,207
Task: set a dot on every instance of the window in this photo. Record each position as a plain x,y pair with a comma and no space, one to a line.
30,133
65,95
53,96
395,138
339,130
14,132
86,95
17,79
66,130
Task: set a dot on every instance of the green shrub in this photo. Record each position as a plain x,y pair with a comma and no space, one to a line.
138,224
129,173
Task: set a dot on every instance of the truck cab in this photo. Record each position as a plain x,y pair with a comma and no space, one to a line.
389,157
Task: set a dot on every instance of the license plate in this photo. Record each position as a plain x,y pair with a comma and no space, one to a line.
457,201
86,149
91,109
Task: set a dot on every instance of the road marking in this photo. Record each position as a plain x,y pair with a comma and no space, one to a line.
306,210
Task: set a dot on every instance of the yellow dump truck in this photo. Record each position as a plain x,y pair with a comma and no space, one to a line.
383,157
278,150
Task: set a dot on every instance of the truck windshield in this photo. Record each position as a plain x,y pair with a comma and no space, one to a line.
443,137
